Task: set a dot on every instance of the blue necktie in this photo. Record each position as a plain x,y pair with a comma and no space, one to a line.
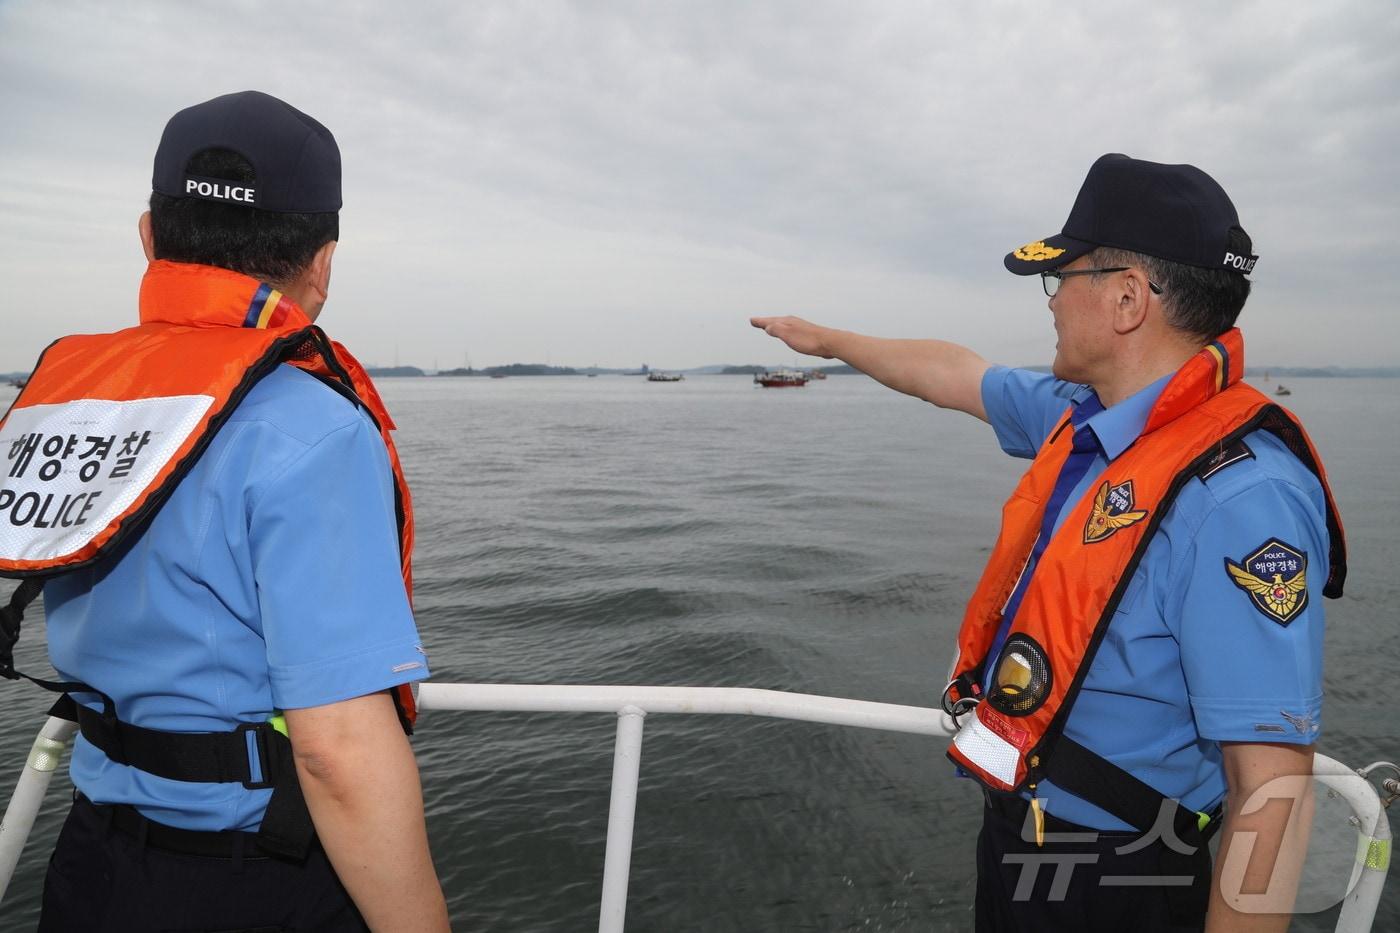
1086,447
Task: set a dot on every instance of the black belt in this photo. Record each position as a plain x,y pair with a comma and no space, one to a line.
226,844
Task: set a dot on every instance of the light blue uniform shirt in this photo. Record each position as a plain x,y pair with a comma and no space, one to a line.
269,580
1189,659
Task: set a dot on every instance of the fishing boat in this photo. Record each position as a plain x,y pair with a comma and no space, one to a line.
781,378
655,376
1283,390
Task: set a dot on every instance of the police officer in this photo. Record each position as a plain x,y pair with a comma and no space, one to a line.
253,597
1145,647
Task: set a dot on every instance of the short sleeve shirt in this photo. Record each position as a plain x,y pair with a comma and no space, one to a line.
1190,658
268,581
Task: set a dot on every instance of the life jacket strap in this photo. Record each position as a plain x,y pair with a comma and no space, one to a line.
11,615
255,755
1094,778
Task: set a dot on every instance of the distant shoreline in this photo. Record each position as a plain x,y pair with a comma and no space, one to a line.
541,369
537,369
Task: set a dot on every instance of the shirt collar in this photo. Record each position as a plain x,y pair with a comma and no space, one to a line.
1117,427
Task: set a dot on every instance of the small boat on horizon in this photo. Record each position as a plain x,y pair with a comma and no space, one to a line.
781,379
655,376
1283,390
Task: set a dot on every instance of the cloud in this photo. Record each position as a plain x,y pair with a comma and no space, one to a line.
611,183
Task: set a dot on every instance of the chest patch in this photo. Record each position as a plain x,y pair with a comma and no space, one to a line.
1112,509
1275,577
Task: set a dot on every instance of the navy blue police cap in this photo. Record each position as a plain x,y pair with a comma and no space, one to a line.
1173,212
295,160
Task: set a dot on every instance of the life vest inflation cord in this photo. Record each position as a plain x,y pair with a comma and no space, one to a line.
1038,812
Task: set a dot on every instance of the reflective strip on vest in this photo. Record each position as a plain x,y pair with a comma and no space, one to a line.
74,468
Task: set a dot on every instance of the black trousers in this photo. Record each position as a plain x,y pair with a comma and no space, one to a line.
103,880
1086,885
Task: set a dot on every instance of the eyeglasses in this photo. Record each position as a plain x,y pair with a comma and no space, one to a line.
1051,280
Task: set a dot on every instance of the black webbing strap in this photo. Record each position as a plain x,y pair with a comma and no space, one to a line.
286,828
199,757
1096,779
213,758
11,615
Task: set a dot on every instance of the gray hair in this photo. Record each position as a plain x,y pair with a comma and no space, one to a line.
1198,301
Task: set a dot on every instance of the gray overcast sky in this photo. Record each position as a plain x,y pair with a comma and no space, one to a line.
619,183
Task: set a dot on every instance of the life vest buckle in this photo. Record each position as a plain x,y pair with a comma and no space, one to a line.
968,695
263,755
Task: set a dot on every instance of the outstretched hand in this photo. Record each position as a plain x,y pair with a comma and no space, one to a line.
802,336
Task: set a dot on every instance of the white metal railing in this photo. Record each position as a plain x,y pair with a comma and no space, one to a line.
45,756
631,705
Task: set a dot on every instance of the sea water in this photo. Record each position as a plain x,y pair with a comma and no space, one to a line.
711,533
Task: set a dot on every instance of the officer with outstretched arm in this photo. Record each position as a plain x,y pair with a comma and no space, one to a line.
1140,665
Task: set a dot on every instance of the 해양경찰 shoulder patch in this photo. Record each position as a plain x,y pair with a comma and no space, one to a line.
1276,578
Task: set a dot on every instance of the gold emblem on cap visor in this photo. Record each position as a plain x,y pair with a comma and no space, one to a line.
1037,252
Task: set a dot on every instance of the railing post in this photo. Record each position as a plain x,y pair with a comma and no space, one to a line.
622,812
44,758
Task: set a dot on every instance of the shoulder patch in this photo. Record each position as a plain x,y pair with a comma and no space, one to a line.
1276,578
1223,457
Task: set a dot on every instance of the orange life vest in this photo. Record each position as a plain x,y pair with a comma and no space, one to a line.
1202,414
103,432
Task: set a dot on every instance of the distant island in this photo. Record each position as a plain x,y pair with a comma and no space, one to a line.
514,369
382,372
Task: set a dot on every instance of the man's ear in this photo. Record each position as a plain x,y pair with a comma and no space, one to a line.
148,239
318,273
1133,298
